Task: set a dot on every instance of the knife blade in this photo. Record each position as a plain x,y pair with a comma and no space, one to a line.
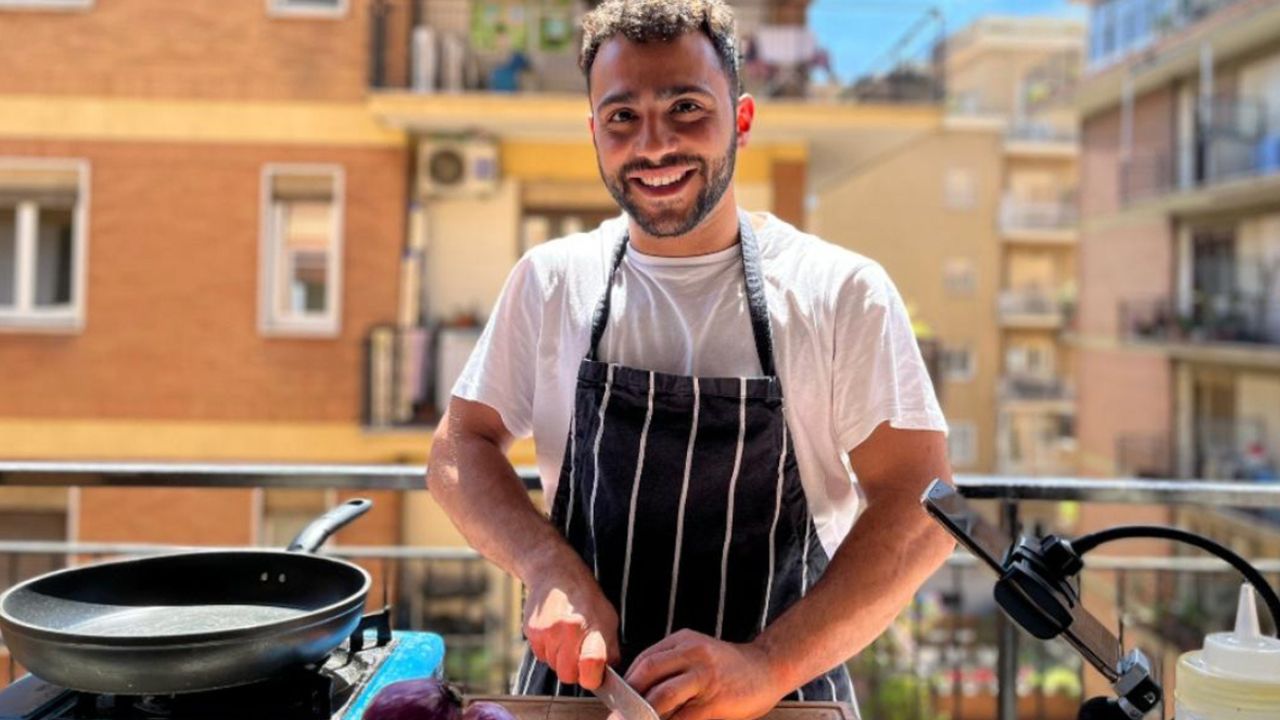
621,698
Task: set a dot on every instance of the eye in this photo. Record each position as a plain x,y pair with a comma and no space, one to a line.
686,106
623,115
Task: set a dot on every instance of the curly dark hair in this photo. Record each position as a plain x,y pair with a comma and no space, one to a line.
643,21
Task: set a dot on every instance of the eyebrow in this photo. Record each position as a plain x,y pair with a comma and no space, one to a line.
626,96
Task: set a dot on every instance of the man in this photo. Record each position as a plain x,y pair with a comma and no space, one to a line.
694,378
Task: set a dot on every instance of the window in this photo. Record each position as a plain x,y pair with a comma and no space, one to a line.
307,8
301,273
1027,360
959,189
543,224
957,364
962,443
959,278
42,245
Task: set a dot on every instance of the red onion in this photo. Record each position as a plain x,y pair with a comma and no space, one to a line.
486,710
420,699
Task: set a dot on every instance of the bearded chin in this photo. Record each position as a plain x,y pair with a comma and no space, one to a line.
670,223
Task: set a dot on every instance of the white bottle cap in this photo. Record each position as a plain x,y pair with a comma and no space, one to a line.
1245,653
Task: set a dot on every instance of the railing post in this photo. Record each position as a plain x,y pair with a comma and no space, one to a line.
1007,663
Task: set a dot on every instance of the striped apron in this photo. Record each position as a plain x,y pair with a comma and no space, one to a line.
682,494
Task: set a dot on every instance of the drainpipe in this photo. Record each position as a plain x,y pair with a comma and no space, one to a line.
1126,139
1205,120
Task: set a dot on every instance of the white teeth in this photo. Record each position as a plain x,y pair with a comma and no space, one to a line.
659,182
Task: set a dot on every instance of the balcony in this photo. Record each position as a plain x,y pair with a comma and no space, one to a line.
1031,310
1238,329
410,371
1144,455
1233,162
1232,449
530,48
1146,176
1039,222
1030,388
1030,138
950,652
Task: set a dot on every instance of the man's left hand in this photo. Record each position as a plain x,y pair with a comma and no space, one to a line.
691,676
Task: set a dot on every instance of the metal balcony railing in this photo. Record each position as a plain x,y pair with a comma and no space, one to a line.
1235,138
937,658
1033,305
1234,318
1021,386
1145,455
1146,175
1035,131
1017,214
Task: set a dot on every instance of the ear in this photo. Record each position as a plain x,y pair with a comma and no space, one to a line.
591,124
745,119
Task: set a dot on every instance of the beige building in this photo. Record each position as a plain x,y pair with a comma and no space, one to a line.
220,244
976,224
1178,333
1180,312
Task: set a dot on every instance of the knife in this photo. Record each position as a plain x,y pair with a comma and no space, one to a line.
621,698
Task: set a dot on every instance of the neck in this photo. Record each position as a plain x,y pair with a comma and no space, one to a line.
717,231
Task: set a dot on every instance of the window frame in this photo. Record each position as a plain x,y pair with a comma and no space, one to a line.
948,374
330,324
963,428
956,269
288,9
25,317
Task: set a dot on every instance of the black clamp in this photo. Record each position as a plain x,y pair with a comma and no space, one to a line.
1035,590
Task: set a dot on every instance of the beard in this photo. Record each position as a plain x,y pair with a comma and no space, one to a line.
674,220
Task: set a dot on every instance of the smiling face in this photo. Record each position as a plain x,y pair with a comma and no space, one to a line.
665,129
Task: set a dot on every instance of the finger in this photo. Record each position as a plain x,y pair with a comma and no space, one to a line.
591,660
673,640
537,644
652,668
566,666
671,694
692,710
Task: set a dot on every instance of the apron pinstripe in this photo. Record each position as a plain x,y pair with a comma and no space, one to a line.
683,495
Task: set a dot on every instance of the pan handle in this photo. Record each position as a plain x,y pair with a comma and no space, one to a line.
314,535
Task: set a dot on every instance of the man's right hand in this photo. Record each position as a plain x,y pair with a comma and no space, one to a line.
571,626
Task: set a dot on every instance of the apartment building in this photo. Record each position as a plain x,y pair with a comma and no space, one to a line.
269,231
976,224
1178,351
1180,346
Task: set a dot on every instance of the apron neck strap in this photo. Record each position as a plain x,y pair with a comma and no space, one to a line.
753,278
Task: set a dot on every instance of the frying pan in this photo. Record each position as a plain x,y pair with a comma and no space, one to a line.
188,621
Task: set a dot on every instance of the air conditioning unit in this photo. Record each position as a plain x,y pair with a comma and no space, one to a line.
457,167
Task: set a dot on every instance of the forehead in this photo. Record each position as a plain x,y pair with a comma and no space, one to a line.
622,65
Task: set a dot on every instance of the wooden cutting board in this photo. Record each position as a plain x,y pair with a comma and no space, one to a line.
526,707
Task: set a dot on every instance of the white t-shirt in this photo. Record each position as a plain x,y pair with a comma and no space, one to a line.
843,345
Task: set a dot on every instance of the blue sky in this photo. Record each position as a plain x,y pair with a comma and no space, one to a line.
859,33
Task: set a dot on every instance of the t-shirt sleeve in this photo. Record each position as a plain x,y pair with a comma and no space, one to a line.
502,369
877,372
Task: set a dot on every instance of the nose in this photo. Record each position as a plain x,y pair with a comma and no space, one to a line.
655,141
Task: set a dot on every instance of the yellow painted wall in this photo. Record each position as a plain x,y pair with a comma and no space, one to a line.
896,213
193,121
135,440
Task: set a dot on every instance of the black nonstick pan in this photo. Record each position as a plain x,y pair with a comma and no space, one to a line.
187,621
